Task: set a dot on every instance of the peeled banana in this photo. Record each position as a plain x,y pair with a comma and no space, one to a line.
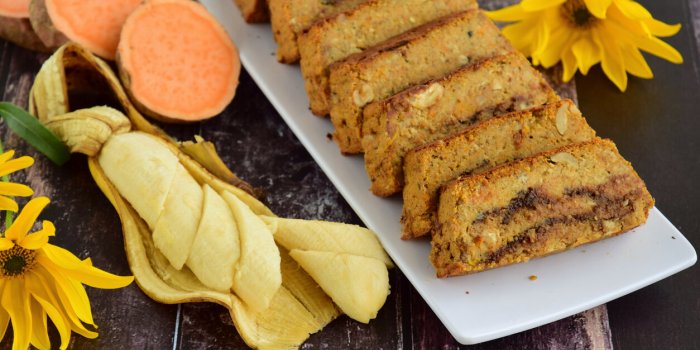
257,276
327,236
194,232
216,225
358,285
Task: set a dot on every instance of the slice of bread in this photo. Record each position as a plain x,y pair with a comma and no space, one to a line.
545,204
253,11
427,52
290,18
477,149
360,28
433,110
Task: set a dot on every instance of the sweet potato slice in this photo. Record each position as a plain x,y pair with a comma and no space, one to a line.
176,62
14,8
15,26
95,24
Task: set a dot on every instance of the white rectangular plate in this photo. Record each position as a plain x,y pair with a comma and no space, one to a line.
500,302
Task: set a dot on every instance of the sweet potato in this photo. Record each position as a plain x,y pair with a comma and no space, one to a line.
176,62
15,26
14,8
95,24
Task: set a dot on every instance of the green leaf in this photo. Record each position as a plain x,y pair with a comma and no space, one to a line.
36,134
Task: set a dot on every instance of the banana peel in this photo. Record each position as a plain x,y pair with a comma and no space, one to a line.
71,71
286,323
86,130
306,290
72,79
311,270
204,153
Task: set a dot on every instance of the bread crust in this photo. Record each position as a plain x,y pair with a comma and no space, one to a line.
477,149
426,52
433,110
254,11
537,206
337,37
290,18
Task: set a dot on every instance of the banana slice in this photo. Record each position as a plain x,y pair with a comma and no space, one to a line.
124,158
178,222
328,237
257,276
358,285
216,247
307,291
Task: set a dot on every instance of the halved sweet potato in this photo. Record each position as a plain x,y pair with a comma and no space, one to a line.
93,24
176,62
15,26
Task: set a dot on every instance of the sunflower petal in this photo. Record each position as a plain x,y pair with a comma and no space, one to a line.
629,25
97,278
598,8
4,316
611,60
659,48
16,164
661,29
587,54
67,311
72,296
569,64
8,204
635,63
40,333
4,322
522,35
508,14
39,238
5,244
5,156
16,301
25,220
83,271
648,43
57,319
49,302
539,5
632,9
542,42
559,40
60,257
79,290
15,189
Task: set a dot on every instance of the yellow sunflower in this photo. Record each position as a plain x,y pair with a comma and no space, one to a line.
582,33
38,279
7,167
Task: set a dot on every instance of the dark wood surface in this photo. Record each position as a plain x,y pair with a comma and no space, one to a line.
654,124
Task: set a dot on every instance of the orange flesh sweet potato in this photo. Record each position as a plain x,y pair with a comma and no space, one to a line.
177,63
14,8
15,26
95,24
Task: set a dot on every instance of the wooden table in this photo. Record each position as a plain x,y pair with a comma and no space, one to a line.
655,124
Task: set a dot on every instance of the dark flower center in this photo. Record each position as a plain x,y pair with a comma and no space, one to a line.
16,261
576,12
582,16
